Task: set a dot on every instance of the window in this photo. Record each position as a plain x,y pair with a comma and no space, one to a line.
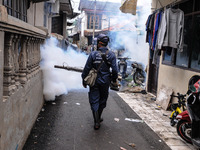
16,8
195,56
90,20
190,57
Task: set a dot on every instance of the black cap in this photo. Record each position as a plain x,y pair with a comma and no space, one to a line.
104,39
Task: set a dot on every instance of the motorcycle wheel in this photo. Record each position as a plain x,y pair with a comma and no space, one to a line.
138,78
184,130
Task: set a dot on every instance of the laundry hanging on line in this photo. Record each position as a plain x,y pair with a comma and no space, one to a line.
165,29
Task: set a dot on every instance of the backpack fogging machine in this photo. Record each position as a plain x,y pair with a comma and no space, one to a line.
69,68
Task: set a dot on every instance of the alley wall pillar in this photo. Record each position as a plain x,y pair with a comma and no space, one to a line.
1,78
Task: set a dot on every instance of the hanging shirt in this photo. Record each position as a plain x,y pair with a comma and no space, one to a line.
151,27
147,28
153,35
159,17
171,30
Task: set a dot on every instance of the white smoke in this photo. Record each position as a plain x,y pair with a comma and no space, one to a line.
59,81
134,41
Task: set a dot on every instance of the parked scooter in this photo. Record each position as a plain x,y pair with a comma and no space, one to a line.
176,107
139,74
188,126
122,67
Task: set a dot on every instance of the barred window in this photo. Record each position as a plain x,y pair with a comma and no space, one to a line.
16,8
97,21
190,57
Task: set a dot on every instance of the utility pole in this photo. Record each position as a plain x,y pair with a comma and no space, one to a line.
109,23
94,19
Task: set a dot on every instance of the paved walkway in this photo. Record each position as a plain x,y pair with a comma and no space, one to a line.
67,124
156,118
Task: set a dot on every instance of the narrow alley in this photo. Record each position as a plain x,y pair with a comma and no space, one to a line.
67,123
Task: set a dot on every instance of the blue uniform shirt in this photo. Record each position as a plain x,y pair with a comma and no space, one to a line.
104,74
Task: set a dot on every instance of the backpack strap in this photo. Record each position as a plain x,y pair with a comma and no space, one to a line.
100,65
104,58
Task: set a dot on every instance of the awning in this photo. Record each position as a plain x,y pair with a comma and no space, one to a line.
129,6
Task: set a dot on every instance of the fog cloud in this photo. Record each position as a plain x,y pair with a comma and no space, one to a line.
59,81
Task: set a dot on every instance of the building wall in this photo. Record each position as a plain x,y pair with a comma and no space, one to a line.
39,18
30,14
49,25
35,14
1,82
83,22
20,111
21,86
171,76
174,78
105,21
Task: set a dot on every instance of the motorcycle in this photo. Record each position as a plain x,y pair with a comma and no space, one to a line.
176,107
139,74
188,126
122,67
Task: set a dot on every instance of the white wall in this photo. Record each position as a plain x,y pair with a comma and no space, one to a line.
83,22
35,14
39,18
30,14
105,22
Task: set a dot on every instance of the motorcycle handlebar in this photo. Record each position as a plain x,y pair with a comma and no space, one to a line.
179,96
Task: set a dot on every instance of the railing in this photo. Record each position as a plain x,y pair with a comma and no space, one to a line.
21,52
21,60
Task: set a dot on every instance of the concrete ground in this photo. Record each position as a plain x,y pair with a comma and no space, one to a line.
156,118
67,124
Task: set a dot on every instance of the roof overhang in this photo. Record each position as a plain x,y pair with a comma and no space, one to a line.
129,6
66,7
73,15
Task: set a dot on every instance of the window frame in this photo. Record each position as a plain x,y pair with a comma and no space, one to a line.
98,22
16,8
174,54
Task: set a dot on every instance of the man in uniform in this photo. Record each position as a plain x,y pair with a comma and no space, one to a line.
98,94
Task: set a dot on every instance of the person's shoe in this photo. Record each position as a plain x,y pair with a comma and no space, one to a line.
96,120
100,118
